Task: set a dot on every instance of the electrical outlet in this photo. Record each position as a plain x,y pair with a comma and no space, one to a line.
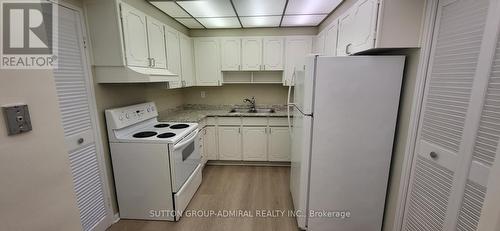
17,118
203,94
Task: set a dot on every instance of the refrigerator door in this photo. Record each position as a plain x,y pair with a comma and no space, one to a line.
299,171
356,105
301,137
304,86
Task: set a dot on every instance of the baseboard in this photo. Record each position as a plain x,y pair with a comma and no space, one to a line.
248,163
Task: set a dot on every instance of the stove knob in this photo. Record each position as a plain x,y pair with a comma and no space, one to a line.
149,109
121,117
127,116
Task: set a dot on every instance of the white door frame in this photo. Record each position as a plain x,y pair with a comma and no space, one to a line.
427,29
93,112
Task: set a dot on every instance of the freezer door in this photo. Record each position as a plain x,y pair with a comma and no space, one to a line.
304,86
299,172
356,105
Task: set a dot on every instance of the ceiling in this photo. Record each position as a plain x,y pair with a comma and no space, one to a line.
212,14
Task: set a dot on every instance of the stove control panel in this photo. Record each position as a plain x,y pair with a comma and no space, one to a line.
125,116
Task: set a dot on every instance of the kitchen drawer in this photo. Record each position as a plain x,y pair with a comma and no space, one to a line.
279,121
255,121
228,121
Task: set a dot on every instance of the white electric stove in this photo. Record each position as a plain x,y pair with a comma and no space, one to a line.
156,165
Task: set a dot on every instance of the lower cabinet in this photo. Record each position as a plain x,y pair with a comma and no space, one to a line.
279,144
255,143
250,139
210,145
229,143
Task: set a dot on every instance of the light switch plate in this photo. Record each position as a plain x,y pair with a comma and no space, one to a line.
17,118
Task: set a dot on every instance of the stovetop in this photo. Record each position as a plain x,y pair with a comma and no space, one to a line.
159,132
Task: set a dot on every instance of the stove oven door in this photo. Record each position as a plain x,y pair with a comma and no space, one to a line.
184,158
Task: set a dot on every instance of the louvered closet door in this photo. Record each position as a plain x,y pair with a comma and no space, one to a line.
485,147
456,44
72,85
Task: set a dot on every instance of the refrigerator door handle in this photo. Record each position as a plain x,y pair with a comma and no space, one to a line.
290,104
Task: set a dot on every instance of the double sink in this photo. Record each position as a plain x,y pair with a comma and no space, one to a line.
252,110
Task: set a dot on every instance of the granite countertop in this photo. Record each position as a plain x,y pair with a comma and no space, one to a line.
195,115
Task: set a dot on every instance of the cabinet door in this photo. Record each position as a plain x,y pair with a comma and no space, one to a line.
173,50
204,158
229,143
135,36
319,43
357,28
230,54
187,61
210,145
207,62
344,37
156,39
255,143
251,54
279,144
331,34
273,54
296,50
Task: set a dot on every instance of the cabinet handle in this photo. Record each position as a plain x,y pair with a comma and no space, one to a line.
154,62
239,130
149,62
433,155
239,67
347,48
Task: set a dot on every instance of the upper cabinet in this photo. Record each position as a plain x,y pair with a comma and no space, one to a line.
207,62
135,37
187,61
319,43
251,59
357,28
252,53
296,50
370,24
331,37
230,54
273,53
156,41
173,55
128,45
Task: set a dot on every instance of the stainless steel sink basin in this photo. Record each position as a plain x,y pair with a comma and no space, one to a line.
248,110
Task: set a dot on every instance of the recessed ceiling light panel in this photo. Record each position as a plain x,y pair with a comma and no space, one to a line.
259,7
261,21
311,6
302,20
231,22
170,8
208,8
190,23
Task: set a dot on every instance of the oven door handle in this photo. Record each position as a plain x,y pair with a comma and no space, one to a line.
189,139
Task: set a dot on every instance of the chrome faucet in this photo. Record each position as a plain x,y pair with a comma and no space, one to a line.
251,101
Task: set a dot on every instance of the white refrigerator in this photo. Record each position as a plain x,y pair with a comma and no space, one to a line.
344,117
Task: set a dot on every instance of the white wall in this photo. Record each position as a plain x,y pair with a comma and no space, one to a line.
36,188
